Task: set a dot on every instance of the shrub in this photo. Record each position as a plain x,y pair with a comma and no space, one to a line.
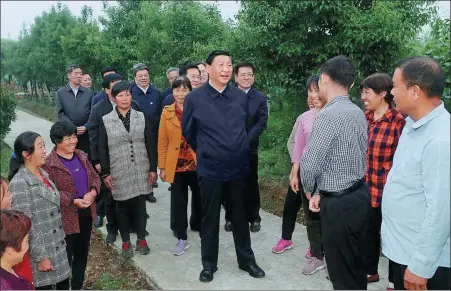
8,102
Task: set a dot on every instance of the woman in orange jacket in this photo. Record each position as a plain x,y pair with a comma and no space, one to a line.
177,163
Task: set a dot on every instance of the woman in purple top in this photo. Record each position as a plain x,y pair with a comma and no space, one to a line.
13,247
78,185
297,197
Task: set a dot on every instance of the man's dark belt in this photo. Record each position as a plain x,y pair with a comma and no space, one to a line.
354,187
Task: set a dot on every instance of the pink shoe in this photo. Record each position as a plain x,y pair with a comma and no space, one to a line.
308,254
282,245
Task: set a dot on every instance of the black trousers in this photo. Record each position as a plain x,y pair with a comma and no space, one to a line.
195,219
252,196
440,281
77,248
212,193
63,285
83,144
179,201
373,251
100,201
133,209
293,203
344,228
110,211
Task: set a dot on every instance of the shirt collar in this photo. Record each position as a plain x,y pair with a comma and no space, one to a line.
143,89
430,116
337,99
214,93
74,88
388,114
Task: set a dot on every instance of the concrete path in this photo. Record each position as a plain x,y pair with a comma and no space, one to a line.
169,272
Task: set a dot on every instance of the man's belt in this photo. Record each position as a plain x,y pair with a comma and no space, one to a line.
354,187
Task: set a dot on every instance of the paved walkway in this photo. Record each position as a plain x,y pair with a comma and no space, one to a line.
166,271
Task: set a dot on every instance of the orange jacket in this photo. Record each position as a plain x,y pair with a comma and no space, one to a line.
169,137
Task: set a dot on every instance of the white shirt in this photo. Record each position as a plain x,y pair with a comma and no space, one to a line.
143,89
75,90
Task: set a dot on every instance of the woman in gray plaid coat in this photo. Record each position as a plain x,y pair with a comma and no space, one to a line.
37,197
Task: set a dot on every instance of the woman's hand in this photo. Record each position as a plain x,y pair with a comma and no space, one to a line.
81,203
45,265
89,197
152,178
108,182
163,175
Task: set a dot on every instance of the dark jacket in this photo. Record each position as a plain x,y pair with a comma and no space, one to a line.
168,100
166,92
258,117
97,112
99,97
73,109
151,103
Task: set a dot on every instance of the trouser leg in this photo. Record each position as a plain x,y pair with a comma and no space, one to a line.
196,205
179,197
123,219
81,249
252,197
111,212
373,249
291,208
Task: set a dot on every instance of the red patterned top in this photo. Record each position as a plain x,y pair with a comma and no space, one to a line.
185,162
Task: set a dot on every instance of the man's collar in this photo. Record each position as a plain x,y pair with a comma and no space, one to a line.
73,88
336,99
213,92
430,116
143,89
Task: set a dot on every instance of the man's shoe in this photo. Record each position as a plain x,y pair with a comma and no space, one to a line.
255,226
142,247
373,278
127,251
99,222
147,216
151,198
169,189
254,270
207,275
313,265
155,185
110,238
228,226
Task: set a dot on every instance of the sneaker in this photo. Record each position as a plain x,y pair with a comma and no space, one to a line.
142,247
308,254
99,222
312,266
390,286
181,246
282,245
110,238
127,251
373,278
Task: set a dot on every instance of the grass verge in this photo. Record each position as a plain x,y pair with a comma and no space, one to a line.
39,108
5,156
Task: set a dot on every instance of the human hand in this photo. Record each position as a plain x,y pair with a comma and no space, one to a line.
294,183
89,197
45,265
314,203
81,130
414,282
152,178
81,203
163,175
308,195
99,168
108,182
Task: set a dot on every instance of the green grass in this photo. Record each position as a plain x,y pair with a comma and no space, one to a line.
5,156
109,282
42,108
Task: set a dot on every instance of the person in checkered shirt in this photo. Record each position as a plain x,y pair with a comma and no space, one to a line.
385,125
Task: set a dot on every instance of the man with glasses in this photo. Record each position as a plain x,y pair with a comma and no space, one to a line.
172,74
149,100
193,74
73,104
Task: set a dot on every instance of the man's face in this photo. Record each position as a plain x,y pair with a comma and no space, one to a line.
244,78
194,77
86,81
404,97
108,90
220,70
75,76
172,76
124,100
203,74
142,78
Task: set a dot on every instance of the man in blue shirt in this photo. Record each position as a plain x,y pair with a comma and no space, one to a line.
214,125
416,206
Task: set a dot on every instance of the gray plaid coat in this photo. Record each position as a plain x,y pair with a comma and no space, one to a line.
129,163
31,197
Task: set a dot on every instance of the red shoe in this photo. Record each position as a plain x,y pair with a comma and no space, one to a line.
127,251
390,286
373,278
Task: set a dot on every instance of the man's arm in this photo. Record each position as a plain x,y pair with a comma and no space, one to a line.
312,163
87,125
434,232
60,115
104,155
151,144
93,131
261,124
189,123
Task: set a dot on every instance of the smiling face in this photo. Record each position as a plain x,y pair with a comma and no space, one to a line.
86,81
371,99
220,70
194,77
245,78
124,100
142,78
313,95
37,157
68,144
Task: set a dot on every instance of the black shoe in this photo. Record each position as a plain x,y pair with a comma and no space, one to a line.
110,238
207,275
155,185
151,198
253,270
255,226
228,226
99,222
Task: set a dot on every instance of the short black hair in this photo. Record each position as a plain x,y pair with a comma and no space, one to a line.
379,82
72,67
110,78
312,81
424,72
120,87
60,129
243,65
211,57
182,81
184,70
108,69
201,63
340,69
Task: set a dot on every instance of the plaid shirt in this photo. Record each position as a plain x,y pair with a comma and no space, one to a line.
383,136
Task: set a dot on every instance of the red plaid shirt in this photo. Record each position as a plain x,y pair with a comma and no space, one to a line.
383,136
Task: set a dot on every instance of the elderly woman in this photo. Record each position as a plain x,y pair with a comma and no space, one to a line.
128,159
78,185
13,247
34,194
177,163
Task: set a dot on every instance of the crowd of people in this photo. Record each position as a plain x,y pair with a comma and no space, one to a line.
369,181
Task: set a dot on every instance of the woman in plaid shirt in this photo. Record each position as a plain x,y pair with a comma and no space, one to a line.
385,125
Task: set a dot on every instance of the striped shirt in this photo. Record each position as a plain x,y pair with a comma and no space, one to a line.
336,153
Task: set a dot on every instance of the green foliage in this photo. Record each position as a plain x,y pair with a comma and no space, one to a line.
5,156
8,102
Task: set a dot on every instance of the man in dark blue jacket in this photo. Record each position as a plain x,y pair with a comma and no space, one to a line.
172,74
192,72
102,95
149,100
214,125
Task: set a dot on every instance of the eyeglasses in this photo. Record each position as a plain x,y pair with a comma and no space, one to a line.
250,75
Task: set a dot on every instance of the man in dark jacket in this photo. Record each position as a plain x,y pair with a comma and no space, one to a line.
172,74
73,105
102,95
257,103
192,72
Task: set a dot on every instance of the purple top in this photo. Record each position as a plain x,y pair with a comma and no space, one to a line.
79,175
9,281
303,134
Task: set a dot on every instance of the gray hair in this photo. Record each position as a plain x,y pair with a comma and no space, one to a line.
172,69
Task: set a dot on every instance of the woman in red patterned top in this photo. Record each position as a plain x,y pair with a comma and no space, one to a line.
385,125
177,163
